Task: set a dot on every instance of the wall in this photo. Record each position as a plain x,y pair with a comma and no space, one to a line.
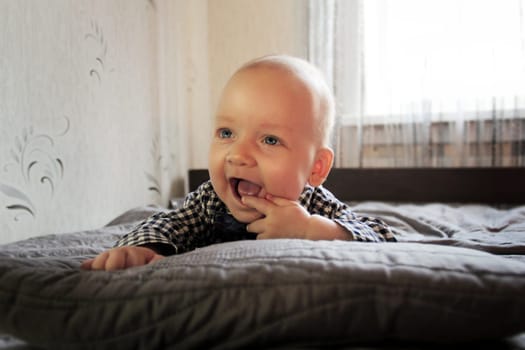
85,132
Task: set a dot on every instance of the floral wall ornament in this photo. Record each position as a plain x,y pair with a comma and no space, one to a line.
154,183
35,161
96,35
157,161
162,165
22,202
152,4
97,61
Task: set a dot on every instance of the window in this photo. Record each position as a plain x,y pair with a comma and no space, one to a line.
424,83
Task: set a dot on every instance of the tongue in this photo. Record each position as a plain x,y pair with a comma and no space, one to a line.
247,188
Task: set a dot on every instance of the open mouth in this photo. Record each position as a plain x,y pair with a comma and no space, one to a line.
243,188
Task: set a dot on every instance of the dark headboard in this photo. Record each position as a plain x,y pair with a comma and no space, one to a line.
474,185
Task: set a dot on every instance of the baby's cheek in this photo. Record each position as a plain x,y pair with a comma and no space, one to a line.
285,179
290,192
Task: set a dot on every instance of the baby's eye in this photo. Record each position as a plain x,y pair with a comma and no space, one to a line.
224,133
271,140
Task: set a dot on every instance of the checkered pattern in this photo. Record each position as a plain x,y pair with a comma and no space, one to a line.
320,201
191,225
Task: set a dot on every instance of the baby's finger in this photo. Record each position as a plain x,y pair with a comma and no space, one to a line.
99,263
279,201
259,204
86,264
116,260
155,257
256,226
133,258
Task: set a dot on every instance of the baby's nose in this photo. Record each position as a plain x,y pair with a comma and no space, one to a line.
240,154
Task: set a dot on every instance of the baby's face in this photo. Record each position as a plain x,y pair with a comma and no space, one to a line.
264,139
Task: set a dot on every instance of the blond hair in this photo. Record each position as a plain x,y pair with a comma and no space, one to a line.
312,78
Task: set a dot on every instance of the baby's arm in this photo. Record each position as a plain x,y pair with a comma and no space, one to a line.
284,218
122,258
330,219
145,244
162,234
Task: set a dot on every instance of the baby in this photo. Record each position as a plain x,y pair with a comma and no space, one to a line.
268,158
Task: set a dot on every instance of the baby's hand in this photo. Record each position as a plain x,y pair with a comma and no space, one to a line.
283,218
121,258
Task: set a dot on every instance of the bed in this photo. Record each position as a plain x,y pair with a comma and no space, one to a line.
456,278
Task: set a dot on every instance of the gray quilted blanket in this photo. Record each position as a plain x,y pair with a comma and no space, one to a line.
465,284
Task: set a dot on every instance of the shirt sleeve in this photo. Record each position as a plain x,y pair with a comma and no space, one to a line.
360,228
178,228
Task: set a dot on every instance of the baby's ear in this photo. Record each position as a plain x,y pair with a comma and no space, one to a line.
322,166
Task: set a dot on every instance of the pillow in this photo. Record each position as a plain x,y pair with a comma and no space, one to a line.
267,293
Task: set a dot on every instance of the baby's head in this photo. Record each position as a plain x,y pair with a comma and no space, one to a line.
313,80
272,133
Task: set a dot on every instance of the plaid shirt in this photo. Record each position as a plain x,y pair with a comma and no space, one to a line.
203,219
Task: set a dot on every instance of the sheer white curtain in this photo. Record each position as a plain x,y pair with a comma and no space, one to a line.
424,83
